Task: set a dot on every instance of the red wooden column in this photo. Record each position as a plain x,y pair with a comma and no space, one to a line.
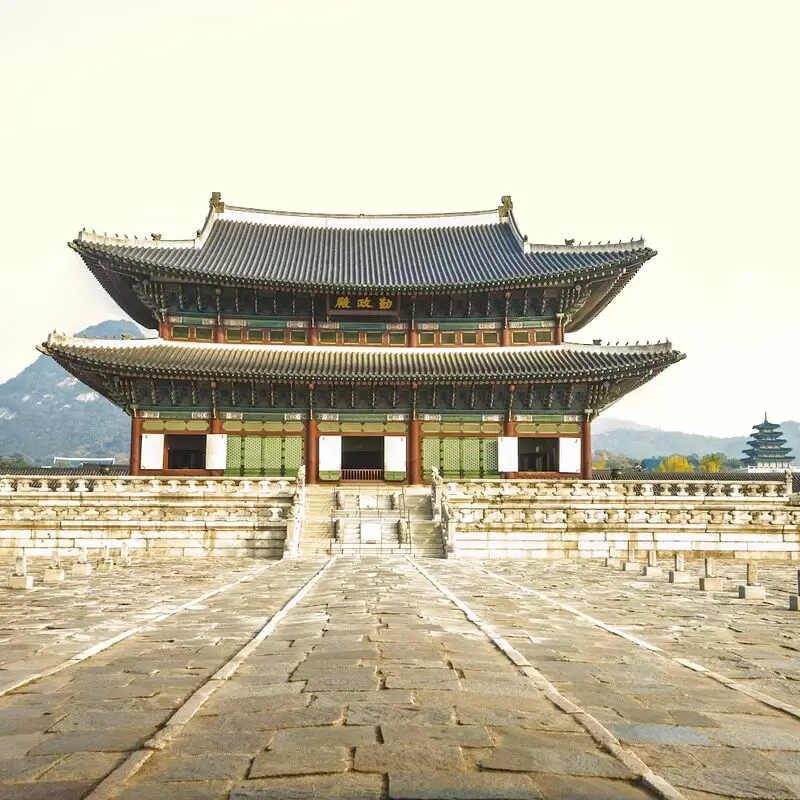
505,334
219,334
311,451
164,329
136,445
414,452
558,333
586,448
413,334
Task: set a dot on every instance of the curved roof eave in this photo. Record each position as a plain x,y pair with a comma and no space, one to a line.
633,260
165,360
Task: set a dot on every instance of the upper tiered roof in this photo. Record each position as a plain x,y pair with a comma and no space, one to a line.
402,253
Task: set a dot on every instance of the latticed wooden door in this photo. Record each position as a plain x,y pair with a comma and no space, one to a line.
460,457
264,456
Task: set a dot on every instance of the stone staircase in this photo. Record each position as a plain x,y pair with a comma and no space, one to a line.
352,508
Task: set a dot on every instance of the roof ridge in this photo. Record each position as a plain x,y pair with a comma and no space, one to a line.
600,247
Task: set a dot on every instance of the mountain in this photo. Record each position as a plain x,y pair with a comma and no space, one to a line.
606,424
639,441
46,412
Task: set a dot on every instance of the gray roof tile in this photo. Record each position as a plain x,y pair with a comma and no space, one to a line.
415,258
159,358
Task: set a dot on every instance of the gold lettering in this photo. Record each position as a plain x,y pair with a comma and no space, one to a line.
364,302
385,303
342,302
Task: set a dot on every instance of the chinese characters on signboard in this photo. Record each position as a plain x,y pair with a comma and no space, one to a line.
362,303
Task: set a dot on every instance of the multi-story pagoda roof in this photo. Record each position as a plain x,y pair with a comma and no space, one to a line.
766,446
400,253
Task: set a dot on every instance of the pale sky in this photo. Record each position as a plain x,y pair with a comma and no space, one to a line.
603,120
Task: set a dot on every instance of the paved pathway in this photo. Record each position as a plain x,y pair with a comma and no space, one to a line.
394,679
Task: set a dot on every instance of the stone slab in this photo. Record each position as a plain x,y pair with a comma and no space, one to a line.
680,577
407,758
652,572
460,786
20,582
348,786
557,760
752,592
712,584
289,761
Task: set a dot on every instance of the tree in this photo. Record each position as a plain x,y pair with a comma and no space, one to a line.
711,463
608,460
675,463
14,461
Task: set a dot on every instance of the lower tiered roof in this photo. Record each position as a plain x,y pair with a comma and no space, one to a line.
157,358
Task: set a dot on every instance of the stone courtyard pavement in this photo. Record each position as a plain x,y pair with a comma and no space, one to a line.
396,678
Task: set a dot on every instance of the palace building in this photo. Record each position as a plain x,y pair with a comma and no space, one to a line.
365,347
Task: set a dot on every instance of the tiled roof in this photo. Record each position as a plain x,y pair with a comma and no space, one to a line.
338,253
158,358
66,472
688,477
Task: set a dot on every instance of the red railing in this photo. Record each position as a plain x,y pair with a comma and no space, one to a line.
362,474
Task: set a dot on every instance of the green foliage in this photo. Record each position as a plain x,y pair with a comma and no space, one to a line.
675,463
14,461
711,463
607,460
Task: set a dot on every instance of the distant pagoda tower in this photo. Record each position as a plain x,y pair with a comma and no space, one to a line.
766,450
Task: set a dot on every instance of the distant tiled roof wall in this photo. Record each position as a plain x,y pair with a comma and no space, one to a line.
687,477
67,472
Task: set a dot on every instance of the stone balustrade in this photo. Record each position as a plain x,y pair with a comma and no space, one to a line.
556,519
502,490
176,516
128,485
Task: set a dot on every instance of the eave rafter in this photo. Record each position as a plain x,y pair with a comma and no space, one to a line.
151,360
136,270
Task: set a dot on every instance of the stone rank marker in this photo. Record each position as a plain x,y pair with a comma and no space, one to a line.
652,570
794,599
20,579
710,582
752,590
106,563
54,573
679,574
83,568
631,564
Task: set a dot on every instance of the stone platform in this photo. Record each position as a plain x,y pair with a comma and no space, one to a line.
396,678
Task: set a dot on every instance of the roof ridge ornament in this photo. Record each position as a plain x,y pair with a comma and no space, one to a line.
216,203
506,204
